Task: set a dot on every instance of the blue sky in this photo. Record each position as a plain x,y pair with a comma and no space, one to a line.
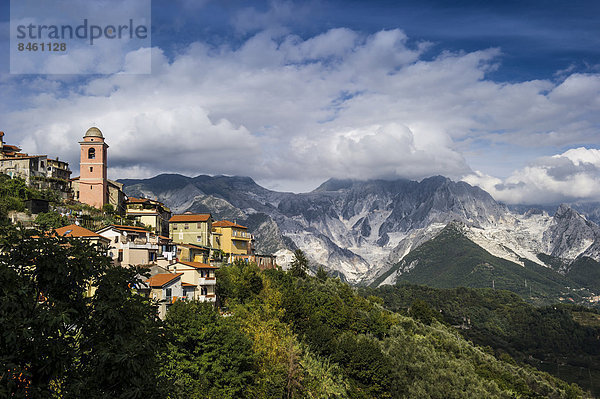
502,94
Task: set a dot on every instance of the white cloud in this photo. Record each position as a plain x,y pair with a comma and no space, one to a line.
281,108
571,176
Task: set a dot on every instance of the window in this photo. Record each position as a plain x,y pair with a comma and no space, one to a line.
186,226
169,293
91,168
120,257
92,153
174,227
203,291
199,225
199,238
116,238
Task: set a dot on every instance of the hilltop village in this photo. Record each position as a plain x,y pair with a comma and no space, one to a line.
181,251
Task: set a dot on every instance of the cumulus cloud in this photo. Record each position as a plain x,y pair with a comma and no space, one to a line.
571,176
282,108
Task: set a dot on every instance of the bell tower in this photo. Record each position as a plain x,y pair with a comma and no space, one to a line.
93,183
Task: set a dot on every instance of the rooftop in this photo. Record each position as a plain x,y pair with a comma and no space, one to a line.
197,265
227,223
74,230
162,279
197,217
93,132
129,228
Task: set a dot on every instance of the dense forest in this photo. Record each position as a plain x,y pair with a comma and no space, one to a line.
561,339
276,334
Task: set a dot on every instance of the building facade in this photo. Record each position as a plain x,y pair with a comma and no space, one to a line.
233,239
149,213
191,228
201,276
131,246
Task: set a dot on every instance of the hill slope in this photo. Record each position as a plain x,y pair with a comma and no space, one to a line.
452,260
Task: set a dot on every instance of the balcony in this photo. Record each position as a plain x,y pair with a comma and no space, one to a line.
133,245
207,281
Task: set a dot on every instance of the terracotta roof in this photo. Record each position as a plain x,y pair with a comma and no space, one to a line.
24,156
12,147
130,228
227,223
165,238
188,284
161,279
143,200
197,265
198,217
133,199
73,230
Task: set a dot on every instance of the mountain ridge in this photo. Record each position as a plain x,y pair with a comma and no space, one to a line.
361,228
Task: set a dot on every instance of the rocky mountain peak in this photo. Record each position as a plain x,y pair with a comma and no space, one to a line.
564,211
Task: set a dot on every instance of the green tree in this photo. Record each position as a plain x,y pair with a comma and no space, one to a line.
51,331
321,274
240,281
108,209
208,356
50,220
420,310
122,342
299,266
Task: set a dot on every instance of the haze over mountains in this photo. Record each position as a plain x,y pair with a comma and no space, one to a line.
361,230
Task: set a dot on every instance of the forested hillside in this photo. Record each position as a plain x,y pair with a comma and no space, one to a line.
277,334
561,339
453,260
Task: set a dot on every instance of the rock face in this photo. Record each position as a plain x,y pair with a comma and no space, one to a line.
570,234
359,229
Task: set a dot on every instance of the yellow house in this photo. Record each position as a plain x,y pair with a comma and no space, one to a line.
231,238
150,213
191,228
192,253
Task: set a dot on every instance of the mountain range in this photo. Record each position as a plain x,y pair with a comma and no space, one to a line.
362,231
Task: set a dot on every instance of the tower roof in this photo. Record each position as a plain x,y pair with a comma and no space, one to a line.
94,132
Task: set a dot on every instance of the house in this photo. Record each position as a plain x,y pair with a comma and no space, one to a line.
31,168
191,228
37,171
167,251
130,245
58,175
149,213
192,253
201,276
165,288
232,238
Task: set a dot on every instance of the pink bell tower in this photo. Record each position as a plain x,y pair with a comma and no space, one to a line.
93,183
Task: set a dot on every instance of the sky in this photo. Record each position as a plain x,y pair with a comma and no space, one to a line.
501,94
